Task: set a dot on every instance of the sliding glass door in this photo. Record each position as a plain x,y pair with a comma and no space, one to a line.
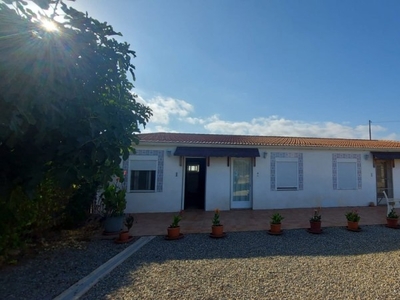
241,183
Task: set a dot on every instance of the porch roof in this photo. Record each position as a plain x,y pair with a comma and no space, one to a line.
216,152
386,155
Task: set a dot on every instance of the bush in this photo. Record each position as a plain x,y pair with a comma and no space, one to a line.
78,206
24,218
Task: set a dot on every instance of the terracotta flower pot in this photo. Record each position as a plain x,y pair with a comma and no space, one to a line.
124,235
352,225
217,230
315,226
276,228
174,232
392,222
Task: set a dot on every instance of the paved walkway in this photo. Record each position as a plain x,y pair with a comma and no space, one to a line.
199,221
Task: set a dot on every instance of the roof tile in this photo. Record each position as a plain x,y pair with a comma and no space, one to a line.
251,140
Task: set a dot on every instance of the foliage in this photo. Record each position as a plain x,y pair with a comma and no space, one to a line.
16,216
353,216
77,210
216,221
276,218
67,115
129,221
113,198
24,218
66,97
392,214
176,219
316,217
49,205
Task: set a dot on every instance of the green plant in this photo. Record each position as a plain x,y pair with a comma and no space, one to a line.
114,201
176,219
76,123
392,214
216,221
129,221
276,218
78,208
25,219
316,217
353,216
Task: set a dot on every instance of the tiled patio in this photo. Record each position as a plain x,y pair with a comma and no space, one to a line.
198,221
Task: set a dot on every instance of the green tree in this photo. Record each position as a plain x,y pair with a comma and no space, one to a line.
67,110
67,105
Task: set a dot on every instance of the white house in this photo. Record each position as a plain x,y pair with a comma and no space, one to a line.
174,171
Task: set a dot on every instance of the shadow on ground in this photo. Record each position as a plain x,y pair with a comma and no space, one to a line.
198,249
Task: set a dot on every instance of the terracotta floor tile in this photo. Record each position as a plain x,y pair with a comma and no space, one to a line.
198,221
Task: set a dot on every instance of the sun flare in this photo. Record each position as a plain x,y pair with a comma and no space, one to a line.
49,25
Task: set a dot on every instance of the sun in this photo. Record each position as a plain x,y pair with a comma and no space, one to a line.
49,25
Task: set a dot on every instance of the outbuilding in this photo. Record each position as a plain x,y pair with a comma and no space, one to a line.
173,171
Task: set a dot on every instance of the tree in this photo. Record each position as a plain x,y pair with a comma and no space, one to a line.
67,112
66,103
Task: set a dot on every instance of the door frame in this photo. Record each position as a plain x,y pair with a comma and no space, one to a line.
388,165
203,175
250,195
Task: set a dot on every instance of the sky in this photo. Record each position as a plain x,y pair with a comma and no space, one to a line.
312,68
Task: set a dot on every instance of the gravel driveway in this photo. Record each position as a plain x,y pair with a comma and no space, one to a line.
337,264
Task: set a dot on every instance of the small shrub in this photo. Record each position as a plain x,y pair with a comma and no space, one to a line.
276,218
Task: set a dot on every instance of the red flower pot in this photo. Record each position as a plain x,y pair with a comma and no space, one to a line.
276,228
174,232
315,226
124,235
352,225
217,230
392,222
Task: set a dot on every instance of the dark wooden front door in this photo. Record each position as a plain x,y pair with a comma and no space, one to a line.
195,183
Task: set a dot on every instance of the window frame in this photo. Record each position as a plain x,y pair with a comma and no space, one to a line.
153,167
342,162
279,187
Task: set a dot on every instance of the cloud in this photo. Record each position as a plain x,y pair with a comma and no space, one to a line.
278,126
166,108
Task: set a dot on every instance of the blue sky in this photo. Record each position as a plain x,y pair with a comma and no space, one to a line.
293,68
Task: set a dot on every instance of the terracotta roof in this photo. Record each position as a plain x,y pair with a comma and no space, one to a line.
251,140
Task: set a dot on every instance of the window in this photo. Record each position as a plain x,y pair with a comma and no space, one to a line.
286,171
287,175
346,175
193,168
143,175
143,180
346,171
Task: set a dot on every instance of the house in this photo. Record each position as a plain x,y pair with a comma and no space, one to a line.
174,171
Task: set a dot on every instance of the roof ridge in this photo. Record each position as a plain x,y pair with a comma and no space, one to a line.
268,136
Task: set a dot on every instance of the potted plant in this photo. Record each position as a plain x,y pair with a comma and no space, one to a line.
217,229
315,222
352,220
124,234
276,220
392,219
114,204
174,228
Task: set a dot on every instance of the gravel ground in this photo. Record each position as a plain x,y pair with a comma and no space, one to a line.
54,270
337,264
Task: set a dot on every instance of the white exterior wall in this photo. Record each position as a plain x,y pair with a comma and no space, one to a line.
317,183
218,184
317,189
170,199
